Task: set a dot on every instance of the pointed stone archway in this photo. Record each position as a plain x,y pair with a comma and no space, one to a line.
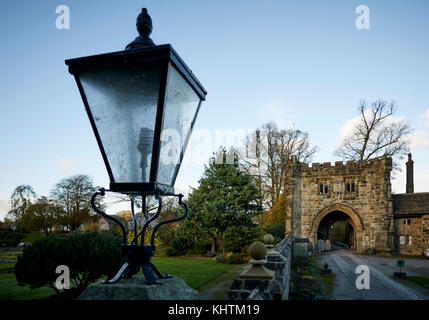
350,215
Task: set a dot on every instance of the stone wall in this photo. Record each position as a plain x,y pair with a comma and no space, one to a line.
369,205
412,234
284,248
278,261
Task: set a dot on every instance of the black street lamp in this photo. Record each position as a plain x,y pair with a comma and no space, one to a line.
142,104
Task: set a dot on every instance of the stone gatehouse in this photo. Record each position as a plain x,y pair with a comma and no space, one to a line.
357,194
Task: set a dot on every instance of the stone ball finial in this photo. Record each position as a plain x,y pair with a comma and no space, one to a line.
257,250
268,239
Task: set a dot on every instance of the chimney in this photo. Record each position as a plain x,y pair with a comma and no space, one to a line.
410,175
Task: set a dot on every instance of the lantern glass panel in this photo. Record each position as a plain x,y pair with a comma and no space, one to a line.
181,107
123,102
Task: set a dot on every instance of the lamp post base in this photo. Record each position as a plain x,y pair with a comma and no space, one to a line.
138,256
136,288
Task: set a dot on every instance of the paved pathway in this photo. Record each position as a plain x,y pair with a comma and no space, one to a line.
382,287
218,288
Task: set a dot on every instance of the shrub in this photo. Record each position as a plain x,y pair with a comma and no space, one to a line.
183,240
277,230
200,247
229,258
370,251
171,252
235,258
148,234
219,259
88,255
10,238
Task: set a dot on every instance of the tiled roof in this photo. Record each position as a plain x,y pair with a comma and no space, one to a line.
411,203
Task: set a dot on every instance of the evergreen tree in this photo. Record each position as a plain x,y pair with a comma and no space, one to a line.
224,206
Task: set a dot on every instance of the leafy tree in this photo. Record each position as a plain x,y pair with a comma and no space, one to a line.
22,197
170,210
277,213
276,230
224,206
6,223
42,215
377,133
73,194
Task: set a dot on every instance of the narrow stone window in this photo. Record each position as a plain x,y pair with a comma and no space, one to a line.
326,188
408,222
409,240
404,222
347,186
353,186
401,239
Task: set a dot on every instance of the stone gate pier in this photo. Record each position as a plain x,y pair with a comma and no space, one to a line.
271,282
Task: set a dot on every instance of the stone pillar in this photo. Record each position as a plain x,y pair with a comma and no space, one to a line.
256,276
410,175
268,240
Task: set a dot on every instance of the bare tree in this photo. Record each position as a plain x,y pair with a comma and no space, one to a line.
376,134
268,157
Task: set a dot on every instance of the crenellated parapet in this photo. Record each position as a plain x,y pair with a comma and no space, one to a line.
380,164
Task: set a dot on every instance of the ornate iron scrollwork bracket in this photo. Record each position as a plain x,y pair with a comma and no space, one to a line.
139,255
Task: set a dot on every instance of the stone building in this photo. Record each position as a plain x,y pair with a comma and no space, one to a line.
359,195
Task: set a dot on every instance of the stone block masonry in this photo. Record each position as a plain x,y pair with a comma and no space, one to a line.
360,190
278,288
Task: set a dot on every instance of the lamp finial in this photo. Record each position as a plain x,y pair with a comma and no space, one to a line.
144,27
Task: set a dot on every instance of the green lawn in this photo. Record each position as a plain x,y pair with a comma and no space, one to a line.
33,237
196,272
422,281
329,282
10,290
5,266
9,255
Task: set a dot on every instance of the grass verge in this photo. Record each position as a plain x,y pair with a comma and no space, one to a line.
196,272
306,282
421,281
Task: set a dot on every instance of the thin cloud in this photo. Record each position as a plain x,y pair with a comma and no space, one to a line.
418,139
67,166
278,113
425,117
4,208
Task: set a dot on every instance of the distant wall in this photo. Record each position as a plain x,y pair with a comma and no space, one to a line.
284,248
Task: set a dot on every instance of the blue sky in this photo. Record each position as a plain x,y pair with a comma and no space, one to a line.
299,63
